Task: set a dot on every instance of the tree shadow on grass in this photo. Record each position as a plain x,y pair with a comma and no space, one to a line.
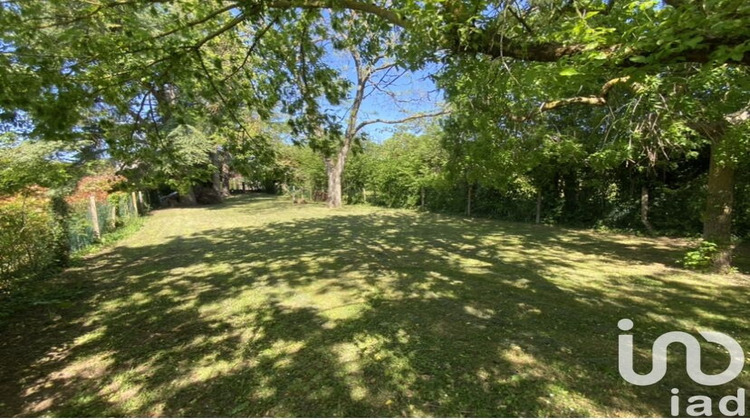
386,314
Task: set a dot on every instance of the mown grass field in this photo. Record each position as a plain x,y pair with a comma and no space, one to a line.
258,307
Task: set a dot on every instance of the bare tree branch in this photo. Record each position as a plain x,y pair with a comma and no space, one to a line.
593,100
383,67
582,100
738,117
403,120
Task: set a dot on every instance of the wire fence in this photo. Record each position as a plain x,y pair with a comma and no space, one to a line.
88,222
39,231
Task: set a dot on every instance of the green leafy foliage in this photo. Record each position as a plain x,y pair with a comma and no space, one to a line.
30,237
702,257
25,164
301,171
577,105
404,167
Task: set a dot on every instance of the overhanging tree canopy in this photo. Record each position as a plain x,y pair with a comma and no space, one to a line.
61,57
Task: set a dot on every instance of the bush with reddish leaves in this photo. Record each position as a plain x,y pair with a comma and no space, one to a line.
100,186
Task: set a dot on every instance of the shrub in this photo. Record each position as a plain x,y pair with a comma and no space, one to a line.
99,186
30,235
701,258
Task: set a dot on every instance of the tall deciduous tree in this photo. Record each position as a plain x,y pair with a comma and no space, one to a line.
69,55
370,46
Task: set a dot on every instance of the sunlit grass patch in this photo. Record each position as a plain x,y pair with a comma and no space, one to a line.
258,307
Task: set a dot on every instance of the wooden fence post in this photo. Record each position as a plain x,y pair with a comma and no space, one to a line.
135,203
113,216
94,218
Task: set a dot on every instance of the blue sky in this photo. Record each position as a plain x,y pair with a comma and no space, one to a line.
412,93
415,88
415,92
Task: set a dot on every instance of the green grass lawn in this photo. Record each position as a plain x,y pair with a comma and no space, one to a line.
258,307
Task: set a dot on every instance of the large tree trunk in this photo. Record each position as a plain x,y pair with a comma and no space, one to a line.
220,179
335,170
226,191
217,184
717,224
468,201
334,185
717,219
